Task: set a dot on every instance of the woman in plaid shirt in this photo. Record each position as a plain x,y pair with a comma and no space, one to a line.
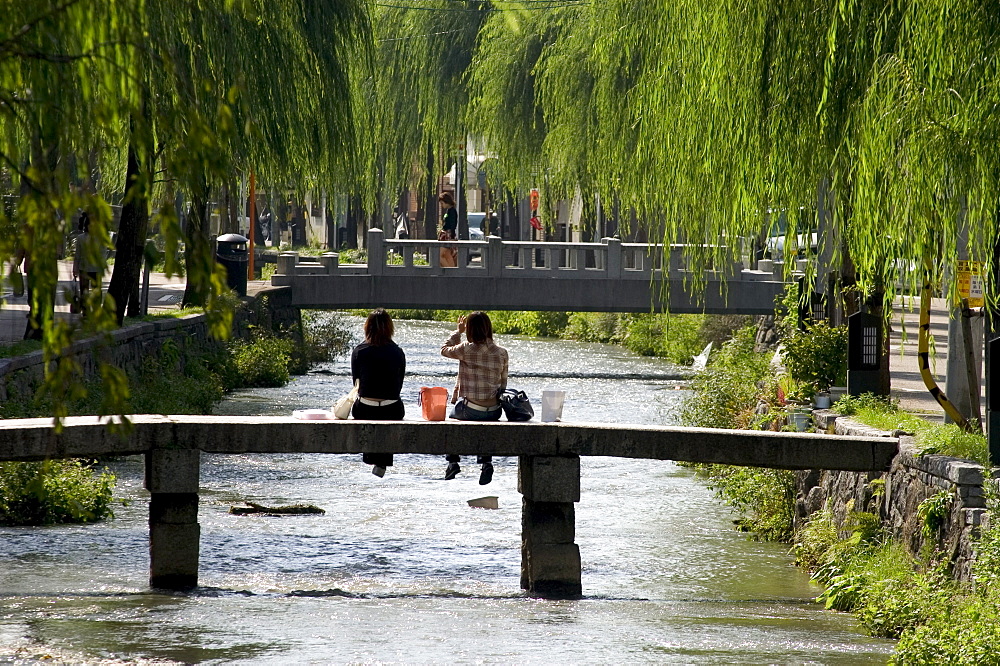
482,377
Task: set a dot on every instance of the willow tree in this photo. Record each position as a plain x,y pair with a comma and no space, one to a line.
54,112
708,116
411,92
214,86
219,87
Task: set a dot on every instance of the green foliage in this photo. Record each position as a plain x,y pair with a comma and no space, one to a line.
865,573
351,256
325,336
19,348
594,327
964,630
964,627
764,497
943,439
933,511
262,361
174,381
676,337
536,324
817,356
727,393
53,491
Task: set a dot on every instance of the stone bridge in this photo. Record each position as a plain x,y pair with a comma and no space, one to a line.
548,467
610,276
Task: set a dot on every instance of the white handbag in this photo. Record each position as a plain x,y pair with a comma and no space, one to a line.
342,408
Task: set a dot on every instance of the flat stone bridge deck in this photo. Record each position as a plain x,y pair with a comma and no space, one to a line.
548,467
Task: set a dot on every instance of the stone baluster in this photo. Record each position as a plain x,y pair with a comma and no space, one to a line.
287,262
613,260
676,258
376,252
172,477
550,558
331,260
434,254
494,256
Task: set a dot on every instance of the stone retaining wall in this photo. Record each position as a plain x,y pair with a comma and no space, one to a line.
896,495
127,348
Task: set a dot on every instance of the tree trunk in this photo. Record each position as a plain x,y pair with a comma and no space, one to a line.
198,252
431,208
124,285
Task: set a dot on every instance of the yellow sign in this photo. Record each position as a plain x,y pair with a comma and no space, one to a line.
970,282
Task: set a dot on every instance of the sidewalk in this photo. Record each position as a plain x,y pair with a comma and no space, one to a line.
166,293
907,385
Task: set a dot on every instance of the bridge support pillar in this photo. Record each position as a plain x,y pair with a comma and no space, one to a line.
550,558
172,477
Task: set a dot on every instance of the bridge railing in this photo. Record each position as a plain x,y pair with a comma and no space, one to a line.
609,259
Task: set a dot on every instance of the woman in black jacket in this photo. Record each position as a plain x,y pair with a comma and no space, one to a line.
378,365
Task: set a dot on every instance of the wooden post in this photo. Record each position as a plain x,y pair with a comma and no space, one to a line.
172,477
550,558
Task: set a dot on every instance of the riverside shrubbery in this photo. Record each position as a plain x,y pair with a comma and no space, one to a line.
53,491
676,337
892,593
177,380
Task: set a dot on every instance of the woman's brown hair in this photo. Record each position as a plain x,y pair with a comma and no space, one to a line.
478,327
447,199
379,328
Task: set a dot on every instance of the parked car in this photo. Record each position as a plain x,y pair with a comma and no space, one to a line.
804,243
476,226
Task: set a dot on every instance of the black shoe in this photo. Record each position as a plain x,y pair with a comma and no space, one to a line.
378,471
452,471
486,475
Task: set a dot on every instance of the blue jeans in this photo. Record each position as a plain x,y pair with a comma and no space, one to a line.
462,412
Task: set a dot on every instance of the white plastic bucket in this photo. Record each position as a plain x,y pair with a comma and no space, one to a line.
552,405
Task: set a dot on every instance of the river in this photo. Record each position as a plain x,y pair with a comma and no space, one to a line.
402,570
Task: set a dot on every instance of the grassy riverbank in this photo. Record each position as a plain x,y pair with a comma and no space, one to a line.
176,380
676,337
892,593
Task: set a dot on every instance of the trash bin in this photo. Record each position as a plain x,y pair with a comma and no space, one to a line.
231,252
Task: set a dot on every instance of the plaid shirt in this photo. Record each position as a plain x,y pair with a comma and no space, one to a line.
482,369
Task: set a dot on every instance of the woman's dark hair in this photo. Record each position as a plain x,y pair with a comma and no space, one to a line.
379,328
478,327
447,199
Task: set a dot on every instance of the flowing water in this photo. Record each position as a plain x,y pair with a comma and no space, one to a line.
401,569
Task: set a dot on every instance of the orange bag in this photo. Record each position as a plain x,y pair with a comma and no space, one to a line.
433,402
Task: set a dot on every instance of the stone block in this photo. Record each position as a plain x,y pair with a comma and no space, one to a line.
554,570
965,473
172,470
549,478
173,555
974,516
548,522
173,508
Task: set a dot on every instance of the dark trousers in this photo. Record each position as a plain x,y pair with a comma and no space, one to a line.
462,412
393,412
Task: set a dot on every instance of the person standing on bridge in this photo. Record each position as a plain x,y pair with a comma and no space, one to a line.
482,377
378,365
449,229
